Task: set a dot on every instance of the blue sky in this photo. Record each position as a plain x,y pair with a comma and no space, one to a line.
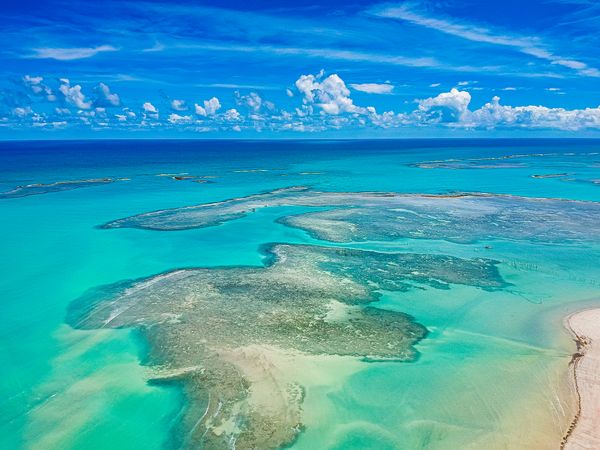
288,69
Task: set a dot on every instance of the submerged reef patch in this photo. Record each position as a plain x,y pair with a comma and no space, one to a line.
41,188
500,162
359,216
228,333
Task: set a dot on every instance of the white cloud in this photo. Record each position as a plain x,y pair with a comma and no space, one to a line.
105,97
327,53
150,111
570,63
493,115
330,94
373,88
68,54
210,107
149,108
525,44
449,106
253,101
38,88
32,81
326,105
232,115
74,95
289,92
176,119
22,111
178,105
432,85
157,47
200,110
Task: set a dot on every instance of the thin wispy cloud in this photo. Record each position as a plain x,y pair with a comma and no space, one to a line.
260,87
326,53
528,45
69,54
373,88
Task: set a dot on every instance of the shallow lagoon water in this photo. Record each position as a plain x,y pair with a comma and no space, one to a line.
66,388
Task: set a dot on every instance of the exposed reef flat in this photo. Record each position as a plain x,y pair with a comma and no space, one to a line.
458,165
359,216
551,175
499,162
185,176
238,338
41,188
585,430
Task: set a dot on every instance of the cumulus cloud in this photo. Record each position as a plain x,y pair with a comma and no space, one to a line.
232,115
22,111
176,118
330,94
448,106
254,102
105,97
452,109
36,86
149,108
210,107
28,80
73,94
373,88
322,103
493,115
149,111
178,105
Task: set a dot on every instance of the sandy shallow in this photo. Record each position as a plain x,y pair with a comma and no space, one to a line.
585,429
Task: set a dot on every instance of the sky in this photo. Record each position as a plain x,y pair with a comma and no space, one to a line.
286,69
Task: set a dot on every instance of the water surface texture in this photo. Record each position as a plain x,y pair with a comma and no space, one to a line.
304,294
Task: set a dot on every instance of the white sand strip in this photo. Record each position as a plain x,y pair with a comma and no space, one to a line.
584,432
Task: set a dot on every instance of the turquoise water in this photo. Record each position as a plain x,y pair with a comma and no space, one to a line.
491,372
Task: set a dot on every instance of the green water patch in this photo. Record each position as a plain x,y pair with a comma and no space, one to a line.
222,332
82,404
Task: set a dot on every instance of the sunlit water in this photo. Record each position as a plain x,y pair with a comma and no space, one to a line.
492,373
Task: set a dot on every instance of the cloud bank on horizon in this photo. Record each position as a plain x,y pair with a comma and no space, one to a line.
226,68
